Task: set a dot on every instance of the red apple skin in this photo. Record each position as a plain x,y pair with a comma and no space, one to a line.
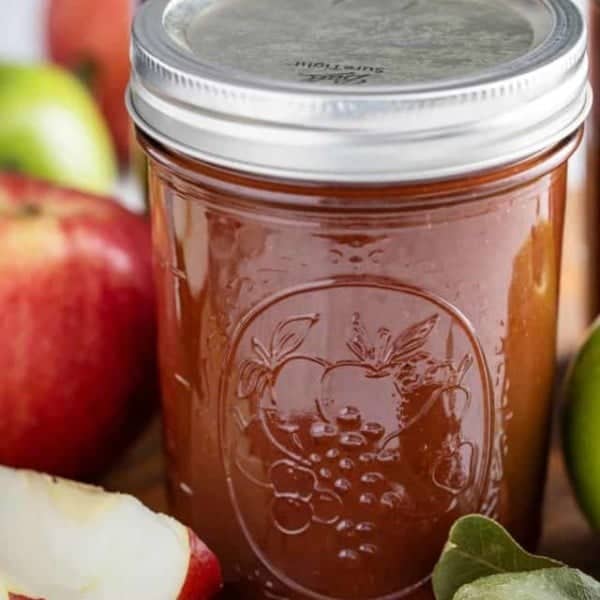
77,328
91,38
204,579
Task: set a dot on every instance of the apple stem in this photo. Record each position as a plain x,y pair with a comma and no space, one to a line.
26,210
86,71
29,209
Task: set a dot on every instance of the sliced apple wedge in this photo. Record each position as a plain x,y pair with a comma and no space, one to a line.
5,594
62,540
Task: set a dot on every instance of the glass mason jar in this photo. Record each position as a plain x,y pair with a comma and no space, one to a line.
593,160
594,37
357,265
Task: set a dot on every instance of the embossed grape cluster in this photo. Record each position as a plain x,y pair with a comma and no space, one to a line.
342,483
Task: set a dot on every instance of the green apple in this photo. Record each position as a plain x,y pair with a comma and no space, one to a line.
581,425
51,128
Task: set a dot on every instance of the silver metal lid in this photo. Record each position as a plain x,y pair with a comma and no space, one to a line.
359,90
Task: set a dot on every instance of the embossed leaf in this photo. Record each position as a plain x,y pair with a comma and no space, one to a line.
253,378
290,334
546,584
479,547
450,343
413,338
385,345
260,351
359,342
463,368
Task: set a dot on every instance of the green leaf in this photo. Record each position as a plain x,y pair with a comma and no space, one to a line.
546,584
479,547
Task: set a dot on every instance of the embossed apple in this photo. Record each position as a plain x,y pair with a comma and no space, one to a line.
375,382
276,370
289,375
60,538
77,325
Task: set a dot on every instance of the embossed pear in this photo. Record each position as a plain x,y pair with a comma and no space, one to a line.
453,472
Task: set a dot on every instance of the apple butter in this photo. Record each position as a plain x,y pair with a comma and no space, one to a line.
357,219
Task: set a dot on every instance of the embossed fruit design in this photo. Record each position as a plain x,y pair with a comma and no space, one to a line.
275,362
384,375
357,453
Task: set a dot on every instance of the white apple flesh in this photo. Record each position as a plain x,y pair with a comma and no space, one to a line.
6,594
67,541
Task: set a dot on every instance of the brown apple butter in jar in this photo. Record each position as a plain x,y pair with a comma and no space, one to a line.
357,215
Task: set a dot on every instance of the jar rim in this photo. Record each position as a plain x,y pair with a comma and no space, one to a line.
352,197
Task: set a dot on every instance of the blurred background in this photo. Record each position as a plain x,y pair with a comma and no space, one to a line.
22,28
30,33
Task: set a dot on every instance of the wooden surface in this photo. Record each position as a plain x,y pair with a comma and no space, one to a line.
566,534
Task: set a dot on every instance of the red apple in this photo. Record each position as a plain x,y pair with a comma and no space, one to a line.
92,39
77,327
60,537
